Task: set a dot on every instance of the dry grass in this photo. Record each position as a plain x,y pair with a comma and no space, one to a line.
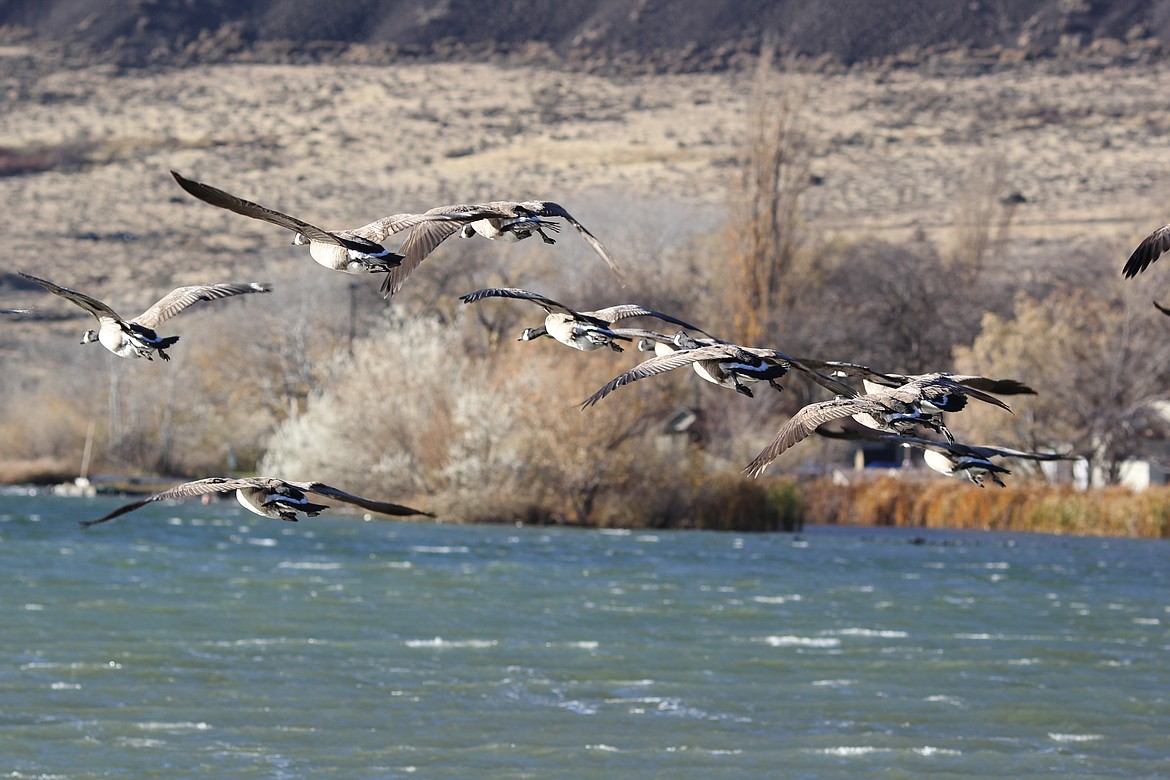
1032,507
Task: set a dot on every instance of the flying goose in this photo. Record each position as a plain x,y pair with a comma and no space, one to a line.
953,459
900,410
353,251
265,496
499,220
586,330
136,337
727,365
1149,250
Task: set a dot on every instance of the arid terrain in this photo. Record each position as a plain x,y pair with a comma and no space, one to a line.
88,151
645,161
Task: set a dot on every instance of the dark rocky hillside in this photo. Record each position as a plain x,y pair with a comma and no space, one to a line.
596,34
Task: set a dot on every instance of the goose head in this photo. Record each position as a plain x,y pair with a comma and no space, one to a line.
684,340
467,231
300,239
89,337
528,334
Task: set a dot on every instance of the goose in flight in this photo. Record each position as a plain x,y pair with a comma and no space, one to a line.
353,251
953,459
1150,249
136,337
900,410
265,496
499,220
587,330
727,365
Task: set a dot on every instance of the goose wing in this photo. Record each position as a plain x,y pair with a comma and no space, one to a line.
845,368
938,387
91,305
623,311
225,200
997,386
182,297
382,507
547,208
800,425
199,487
1149,250
548,304
438,224
660,365
986,451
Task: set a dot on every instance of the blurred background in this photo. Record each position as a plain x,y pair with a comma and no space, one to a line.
944,189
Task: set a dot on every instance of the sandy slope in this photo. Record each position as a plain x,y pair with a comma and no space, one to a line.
340,145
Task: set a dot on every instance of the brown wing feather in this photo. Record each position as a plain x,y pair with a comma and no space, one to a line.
800,425
199,487
382,507
551,209
419,243
1150,249
91,305
655,366
182,297
225,200
548,304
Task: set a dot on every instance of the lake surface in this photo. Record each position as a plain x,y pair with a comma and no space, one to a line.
186,641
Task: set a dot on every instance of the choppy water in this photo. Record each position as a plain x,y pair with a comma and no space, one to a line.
192,641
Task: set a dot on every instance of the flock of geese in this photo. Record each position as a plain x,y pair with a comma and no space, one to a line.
894,408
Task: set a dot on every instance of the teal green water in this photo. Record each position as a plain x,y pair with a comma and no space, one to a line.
200,641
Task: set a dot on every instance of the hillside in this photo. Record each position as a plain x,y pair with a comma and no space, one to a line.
597,34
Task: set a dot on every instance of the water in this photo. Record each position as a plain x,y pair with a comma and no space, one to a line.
200,641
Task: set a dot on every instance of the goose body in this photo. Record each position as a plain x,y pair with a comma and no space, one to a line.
585,331
137,338
501,220
265,496
900,410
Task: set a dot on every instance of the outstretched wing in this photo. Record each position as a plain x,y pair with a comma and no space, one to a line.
548,304
937,388
623,311
438,225
382,507
987,451
91,305
1149,250
800,425
225,200
997,386
180,298
655,366
549,209
199,487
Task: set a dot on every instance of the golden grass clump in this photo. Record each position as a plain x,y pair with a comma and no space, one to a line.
1027,507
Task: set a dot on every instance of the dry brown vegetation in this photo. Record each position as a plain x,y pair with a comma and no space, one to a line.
865,216
1060,509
